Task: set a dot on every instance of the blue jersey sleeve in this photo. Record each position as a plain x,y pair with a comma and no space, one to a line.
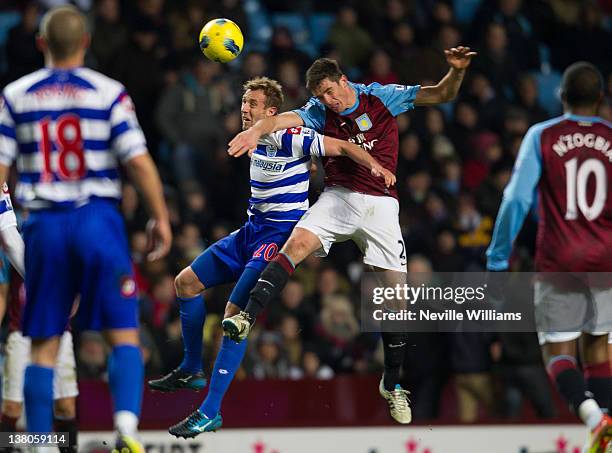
313,115
397,98
517,200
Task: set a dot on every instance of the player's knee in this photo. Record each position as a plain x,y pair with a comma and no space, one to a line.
187,284
12,408
301,244
65,408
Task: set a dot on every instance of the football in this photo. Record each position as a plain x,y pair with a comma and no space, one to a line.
221,40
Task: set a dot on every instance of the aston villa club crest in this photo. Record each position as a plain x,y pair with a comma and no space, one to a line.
271,150
363,122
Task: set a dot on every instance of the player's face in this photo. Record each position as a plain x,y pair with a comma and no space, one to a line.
336,96
254,108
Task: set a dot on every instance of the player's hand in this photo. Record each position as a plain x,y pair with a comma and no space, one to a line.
381,172
159,239
459,57
244,142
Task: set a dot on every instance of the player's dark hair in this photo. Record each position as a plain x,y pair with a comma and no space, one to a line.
271,89
582,85
321,69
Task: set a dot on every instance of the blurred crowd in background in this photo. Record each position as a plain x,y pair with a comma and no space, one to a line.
454,162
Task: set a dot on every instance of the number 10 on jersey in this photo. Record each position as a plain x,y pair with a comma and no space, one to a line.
577,178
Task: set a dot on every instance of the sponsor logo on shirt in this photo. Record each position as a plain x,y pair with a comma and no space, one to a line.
270,167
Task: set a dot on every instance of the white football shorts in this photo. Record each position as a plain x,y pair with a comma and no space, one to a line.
371,221
588,311
18,358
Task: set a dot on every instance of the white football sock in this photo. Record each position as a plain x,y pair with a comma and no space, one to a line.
126,422
590,413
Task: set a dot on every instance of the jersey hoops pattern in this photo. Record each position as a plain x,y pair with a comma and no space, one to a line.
68,130
280,170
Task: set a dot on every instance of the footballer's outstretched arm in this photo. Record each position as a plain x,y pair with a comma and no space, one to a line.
144,175
335,147
247,140
446,90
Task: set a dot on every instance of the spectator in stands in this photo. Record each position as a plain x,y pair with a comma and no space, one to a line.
351,40
313,368
283,48
496,60
336,331
528,99
289,329
187,116
292,304
380,69
109,34
22,56
523,375
446,256
471,364
139,68
519,28
269,361
289,76
92,355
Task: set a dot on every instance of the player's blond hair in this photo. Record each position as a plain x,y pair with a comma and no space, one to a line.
271,89
63,28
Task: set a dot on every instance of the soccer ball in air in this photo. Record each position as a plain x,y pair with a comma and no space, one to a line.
221,40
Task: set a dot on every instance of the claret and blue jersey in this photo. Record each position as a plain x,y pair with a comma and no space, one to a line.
567,163
370,123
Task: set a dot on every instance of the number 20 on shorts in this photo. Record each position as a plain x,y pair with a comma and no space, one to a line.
268,251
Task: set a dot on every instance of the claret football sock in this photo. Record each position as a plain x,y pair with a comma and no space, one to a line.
38,398
193,315
227,363
572,387
270,284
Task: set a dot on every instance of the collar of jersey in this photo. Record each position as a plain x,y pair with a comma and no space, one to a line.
589,119
356,104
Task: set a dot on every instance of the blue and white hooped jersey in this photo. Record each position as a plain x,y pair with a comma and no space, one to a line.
280,172
68,129
7,214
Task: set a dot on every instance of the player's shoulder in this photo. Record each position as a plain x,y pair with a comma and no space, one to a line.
378,89
23,84
540,127
313,103
101,82
285,134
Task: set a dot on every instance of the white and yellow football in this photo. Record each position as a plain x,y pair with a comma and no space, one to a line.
221,40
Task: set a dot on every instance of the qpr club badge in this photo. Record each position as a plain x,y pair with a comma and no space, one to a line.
363,122
271,150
